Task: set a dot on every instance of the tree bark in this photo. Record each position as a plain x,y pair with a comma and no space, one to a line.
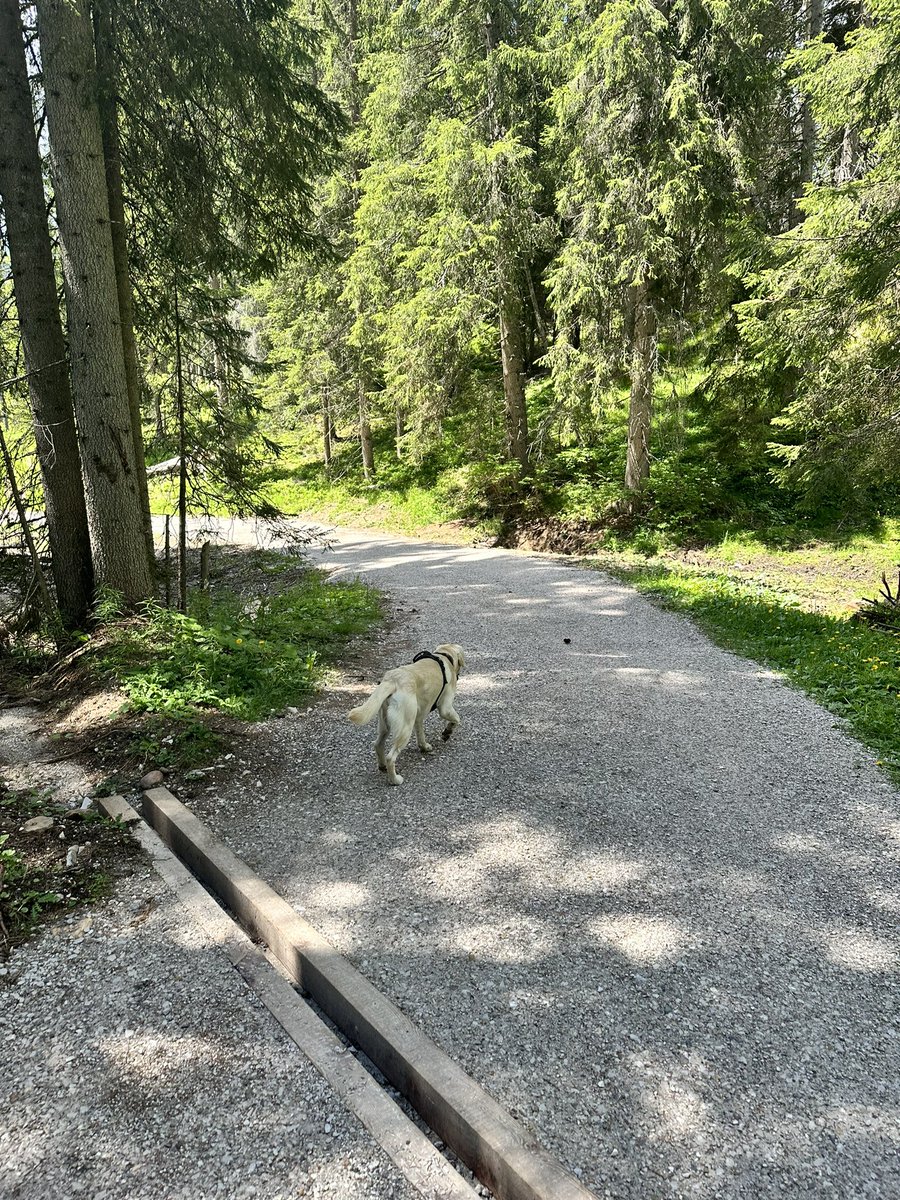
399,432
31,257
365,433
327,431
365,429
512,356
159,416
105,50
513,335
640,408
99,383
813,14
182,464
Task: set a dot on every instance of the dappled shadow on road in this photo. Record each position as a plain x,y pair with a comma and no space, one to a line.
647,897
161,1075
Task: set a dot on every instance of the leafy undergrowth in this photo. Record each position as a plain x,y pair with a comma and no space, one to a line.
172,690
242,658
36,884
849,667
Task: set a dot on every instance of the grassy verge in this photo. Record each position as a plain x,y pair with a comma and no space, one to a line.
826,571
242,658
36,882
850,668
167,688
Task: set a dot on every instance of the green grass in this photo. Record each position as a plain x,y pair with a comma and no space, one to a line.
827,569
405,509
244,659
851,669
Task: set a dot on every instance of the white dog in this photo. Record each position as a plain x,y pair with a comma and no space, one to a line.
404,699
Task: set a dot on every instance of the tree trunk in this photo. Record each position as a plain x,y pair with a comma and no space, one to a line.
365,430
220,367
31,257
512,356
159,416
365,434
182,464
813,16
640,409
112,474
104,42
326,431
399,432
513,335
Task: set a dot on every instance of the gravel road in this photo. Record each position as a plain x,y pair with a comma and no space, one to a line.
647,895
136,1065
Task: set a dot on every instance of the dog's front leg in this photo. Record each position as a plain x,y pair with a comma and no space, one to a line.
448,713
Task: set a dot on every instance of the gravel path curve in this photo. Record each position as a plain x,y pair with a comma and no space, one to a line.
648,895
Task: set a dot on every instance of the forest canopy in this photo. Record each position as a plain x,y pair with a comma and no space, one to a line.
619,264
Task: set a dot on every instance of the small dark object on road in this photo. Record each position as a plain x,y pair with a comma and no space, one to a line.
568,641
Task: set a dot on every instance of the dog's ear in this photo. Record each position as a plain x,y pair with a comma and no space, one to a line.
455,654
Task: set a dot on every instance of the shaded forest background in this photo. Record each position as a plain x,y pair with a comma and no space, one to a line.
625,265
613,268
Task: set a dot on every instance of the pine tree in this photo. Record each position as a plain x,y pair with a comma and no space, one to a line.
99,384
28,236
659,120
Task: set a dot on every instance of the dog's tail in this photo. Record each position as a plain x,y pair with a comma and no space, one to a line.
364,714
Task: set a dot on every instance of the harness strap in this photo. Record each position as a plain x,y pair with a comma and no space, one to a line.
439,659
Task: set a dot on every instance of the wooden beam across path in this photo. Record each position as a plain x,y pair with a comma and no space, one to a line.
495,1147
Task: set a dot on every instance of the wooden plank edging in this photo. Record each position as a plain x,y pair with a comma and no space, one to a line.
495,1147
408,1146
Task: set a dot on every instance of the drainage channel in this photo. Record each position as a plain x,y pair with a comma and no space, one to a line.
397,1097
408,1143
491,1144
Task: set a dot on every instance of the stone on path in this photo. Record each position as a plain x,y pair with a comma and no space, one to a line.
38,825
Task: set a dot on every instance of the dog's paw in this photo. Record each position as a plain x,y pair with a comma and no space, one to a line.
427,748
396,780
382,768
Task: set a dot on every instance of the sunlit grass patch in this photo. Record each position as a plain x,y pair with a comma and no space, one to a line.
243,658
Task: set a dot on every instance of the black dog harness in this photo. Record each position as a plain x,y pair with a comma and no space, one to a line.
439,659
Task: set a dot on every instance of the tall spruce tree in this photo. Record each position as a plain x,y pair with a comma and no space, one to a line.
31,257
823,312
99,385
659,117
452,215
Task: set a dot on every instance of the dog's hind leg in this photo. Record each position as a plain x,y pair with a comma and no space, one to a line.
423,744
391,768
383,738
406,721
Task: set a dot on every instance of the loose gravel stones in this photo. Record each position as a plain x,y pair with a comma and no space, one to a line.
135,1063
